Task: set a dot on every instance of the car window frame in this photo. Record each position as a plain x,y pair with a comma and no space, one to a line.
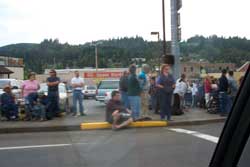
236,130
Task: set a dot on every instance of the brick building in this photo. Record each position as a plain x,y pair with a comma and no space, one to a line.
194,69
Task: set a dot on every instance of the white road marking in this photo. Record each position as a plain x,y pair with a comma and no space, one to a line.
196,134
38,146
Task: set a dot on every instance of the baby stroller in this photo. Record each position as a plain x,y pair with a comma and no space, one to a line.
213,106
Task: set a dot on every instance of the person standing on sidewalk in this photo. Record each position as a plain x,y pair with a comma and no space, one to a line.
144,84
207,88
153,94
179,92
166,84
77,83
53,95
223,90
233,88
134,92
123,87
194,90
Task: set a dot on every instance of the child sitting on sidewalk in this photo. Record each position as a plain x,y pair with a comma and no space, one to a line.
37,106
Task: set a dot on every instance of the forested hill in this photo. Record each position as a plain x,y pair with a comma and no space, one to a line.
119,52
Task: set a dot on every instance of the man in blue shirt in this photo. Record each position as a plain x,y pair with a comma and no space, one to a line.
53,95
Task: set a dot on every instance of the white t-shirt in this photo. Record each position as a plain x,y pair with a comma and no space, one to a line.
180,88
194,89
78,80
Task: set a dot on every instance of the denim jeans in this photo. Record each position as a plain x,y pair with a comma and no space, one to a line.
223,98
135,105
194,101
153,101
230,102
9,111
53,104
165,105
78,96
124,98
39,111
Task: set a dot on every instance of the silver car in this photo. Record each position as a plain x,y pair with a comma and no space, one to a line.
105,87
89,91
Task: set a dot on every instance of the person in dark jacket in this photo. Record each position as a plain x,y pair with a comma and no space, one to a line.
166,84
8,106
223,90
53,95
123,87
153,94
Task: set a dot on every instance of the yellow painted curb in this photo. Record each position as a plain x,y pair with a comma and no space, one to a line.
106,125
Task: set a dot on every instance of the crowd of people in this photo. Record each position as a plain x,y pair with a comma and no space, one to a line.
138,94
167,96
35,104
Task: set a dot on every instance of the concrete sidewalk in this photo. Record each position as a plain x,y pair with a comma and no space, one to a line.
69,123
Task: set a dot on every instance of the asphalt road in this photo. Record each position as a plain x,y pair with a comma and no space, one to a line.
105,148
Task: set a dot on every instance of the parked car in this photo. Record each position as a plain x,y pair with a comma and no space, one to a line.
104,87
107,97
66,98
15,85
89,91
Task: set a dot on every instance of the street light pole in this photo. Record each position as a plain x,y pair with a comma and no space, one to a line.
175,35
158,42
163,24
96,58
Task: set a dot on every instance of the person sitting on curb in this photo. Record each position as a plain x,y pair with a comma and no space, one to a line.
37,106
116,113
8,106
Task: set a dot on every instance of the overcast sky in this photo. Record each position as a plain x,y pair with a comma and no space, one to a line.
80,21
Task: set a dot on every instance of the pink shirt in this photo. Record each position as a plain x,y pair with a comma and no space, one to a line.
29,86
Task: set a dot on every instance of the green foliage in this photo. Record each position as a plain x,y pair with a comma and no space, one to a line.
119,52
217,49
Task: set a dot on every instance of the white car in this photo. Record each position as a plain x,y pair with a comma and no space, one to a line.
14,84
107,97
66,98
89,91
104,87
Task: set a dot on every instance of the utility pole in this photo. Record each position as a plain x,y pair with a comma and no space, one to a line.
167,58
96,58
175,35
163,26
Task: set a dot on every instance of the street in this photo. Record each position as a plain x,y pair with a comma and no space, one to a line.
189,146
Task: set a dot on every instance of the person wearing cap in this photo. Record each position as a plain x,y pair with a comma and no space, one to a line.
144,84
8,106
29,86
53,95
77,83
